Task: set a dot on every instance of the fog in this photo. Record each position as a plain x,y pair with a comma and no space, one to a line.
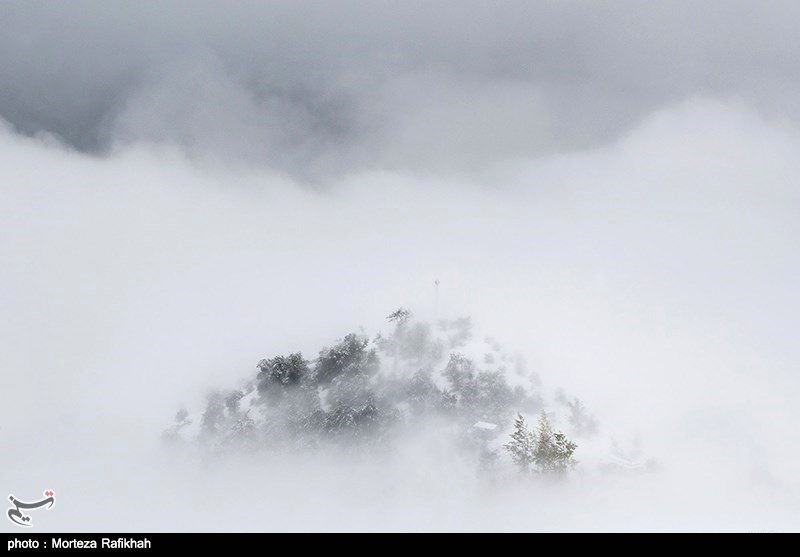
608,192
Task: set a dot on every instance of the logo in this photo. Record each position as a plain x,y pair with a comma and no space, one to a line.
19,518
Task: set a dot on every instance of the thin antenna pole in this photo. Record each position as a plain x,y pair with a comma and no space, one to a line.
436,299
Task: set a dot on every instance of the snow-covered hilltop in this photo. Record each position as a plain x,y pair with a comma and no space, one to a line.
360,392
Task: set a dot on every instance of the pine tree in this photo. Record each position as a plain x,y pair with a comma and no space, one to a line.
212,421
400,315
553,452
581,421
349,356
522,446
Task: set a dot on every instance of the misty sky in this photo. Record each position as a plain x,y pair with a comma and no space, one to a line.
608,188
317,89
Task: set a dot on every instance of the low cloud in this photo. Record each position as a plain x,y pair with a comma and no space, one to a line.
654,277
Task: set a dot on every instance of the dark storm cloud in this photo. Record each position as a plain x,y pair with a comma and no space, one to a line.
314,88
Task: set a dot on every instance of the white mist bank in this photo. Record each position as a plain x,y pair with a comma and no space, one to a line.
655,279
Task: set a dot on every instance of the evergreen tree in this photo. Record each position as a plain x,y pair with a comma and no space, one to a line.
494,397
350,356
421,392
522,445
241,432
581,421
411,343
460,375
212,421
232,402
553,452
400,316
281,373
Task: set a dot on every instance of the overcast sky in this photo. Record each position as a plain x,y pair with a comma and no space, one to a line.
324,88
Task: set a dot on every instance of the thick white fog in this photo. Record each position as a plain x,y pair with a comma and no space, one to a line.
654,278
643,258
